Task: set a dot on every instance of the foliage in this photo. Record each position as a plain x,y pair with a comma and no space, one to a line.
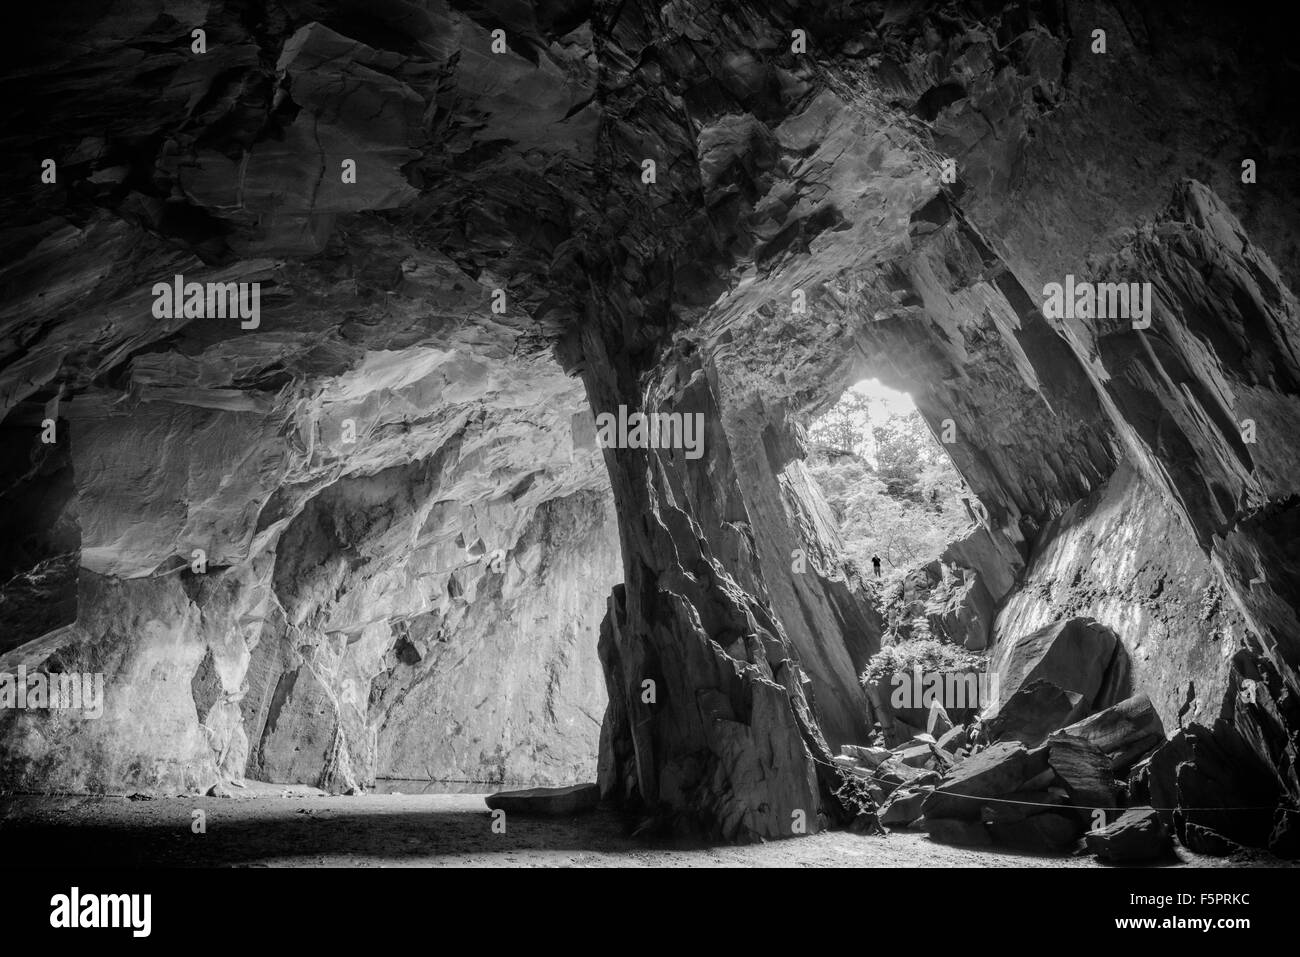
931,656
908,509
843,428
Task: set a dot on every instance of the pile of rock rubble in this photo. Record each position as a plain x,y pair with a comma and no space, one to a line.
1066,758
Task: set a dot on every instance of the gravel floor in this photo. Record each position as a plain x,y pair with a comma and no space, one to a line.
269,826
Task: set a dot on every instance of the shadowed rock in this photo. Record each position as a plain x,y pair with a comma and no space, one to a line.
1078,655
1034,712
1124,732
994,772
546,802
1138,835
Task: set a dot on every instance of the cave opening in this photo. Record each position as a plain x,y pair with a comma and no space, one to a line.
889,480
900,505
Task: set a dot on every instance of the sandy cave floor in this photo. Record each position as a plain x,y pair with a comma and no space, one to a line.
276,826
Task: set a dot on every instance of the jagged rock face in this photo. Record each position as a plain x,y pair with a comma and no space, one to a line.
537,638
1117,557
335,564
432,667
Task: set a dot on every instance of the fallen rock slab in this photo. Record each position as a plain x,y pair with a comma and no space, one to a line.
1034,712
1226,773
948,830
1020,805
546,802
1040,781
1049,832
871,757
894,773
1077,655
954,740
1204,840
903,807
917,756
1125,732
937,722
1135,836
1084,770
996,771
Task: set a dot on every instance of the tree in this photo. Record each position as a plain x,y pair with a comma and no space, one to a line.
908,510
845,427
904,446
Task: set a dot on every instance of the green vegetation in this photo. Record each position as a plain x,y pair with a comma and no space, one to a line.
891,485
931,656
895,494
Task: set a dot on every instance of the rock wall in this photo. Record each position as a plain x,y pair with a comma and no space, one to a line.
486,673
1123,556
333,593
515,692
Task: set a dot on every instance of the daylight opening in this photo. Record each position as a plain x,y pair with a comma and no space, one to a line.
896,498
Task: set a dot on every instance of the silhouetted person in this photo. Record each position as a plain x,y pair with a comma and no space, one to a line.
875,564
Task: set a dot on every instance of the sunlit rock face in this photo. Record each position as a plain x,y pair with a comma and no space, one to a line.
508,684
307,650
1116,557
358,537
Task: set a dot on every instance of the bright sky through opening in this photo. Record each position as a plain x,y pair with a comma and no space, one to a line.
884,400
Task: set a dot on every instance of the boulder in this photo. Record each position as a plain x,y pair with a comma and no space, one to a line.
947,830
1020,805
985,566
1136,836
895,774
943,760
1078,654
546,802
917,756
1219,784
871,757
903,807
1125,732
1034,712
923,738
994,772
937,723
1204,840
996,561
954,740
1039,781
1084,770
963,611
1284,841
1048,832
918,582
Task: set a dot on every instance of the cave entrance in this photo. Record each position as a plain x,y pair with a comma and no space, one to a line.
896,496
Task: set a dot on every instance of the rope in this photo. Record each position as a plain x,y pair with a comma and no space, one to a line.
1074,807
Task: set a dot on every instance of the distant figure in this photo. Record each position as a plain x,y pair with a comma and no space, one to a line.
875,564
